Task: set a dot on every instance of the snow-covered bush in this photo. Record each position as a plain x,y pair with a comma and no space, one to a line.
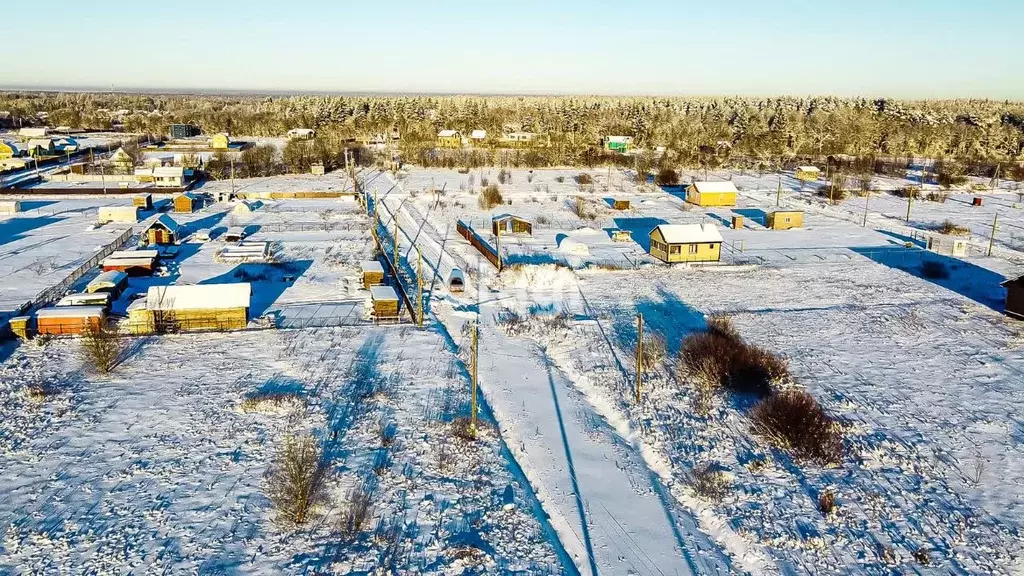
490,197
295,480
794,421
711,482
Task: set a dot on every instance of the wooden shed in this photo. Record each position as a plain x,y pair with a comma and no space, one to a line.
710,194
199,307
163,231
187,202
686,243
737,222
373,273
131,262
69,320
509,224
220,141
785,219
8,207
620,204
143,201
449,139
385,304
620,235
113,282
1014,298
808,173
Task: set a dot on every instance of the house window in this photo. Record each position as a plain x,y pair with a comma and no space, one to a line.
711,246
675,249
693,248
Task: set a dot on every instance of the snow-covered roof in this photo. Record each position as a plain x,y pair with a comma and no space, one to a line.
118,209
384,293
43,142
97,298
120,254
620,139
11,145
447,133
167,222
689,233
110,278
715,187
199,297
169,171
478,134
573,246
235,231
301,131
808,169
72,312
371,266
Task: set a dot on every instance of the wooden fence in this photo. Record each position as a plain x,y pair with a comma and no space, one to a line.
479,243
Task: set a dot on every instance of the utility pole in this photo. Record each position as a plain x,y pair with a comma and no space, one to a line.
419,285
232,177
639,354
472,426
995,178
497,247
992,238
867,197
396,245
778,196
910,200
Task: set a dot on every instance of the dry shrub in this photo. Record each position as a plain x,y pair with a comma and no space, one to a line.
908,192
923,557
653,352
667,177
559,179
583,179
490,197
542,219
39,393
295,480
356,510
827,503
386,433
711,482
794,421
102,348
271,402
578,206
484,182
939,197
953,229
504,176
720,357
510,321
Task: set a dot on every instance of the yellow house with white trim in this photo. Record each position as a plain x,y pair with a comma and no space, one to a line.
449,139
674,243
8,150
712,194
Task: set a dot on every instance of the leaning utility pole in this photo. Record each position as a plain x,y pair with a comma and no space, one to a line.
396,246
867,197
910,200
639,354
778,195
992,238
419,285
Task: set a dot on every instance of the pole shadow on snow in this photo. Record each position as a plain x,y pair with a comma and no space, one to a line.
640,229
965,278
665,315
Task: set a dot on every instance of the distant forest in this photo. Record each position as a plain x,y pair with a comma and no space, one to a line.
967,136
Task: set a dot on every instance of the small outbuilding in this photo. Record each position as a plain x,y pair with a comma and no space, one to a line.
117,214
317,169
373,273
143,201
949,245
509,224
301,133
70,320
131,262
1014,298
246,207
113,282
234,234
785,219
384,303
478,136
96,299
220,141
169,176
456,281
808,173
9,207
192,308
619,235
618,143
187,203
737,222
163,231
709,194
40,132
8,150
620,204
449,139
41,147
686,243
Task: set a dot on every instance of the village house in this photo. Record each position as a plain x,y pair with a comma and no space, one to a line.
69,320
122,161
41,147
949,245
509,224
8,150
674,243
808,173
184,131
785,219
192,308
301,134
41,132
618,143
477,137
1014,307
220,141
163,231
519,139
449,139
708,194
9,207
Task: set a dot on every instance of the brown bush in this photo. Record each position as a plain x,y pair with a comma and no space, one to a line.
102,348
667,177
490,197
908,192
583,178
720,357
356,510
295,480
794,421
827,502
953,229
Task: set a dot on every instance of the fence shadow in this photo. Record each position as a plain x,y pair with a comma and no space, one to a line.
963,277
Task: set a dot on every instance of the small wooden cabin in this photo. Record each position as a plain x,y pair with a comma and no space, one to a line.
163,231
143,201
113,282
737,222
1014,298
449,139
620,204
70,320
620,235
198,307
98,299
509,224
808,173
131,262
686,243
785,219
187,203
709,194
385,303
373,273
117,214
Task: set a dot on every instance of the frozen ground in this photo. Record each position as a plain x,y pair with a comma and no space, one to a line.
158,468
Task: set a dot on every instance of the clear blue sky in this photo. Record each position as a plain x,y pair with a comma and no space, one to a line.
899,48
